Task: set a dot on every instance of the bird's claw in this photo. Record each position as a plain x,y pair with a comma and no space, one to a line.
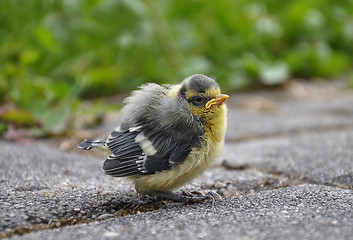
198,193
197,196
193,193
213,196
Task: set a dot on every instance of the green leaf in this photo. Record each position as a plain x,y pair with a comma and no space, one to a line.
18,117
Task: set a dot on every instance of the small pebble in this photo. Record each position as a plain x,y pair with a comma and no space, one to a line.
220,185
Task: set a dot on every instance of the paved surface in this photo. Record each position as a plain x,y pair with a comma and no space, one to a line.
286,172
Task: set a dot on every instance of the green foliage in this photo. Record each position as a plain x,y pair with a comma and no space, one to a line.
53,53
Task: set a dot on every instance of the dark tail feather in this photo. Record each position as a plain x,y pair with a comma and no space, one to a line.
89,144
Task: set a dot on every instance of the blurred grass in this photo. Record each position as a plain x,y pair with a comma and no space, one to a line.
54,54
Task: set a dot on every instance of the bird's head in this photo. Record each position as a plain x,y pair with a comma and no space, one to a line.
203,96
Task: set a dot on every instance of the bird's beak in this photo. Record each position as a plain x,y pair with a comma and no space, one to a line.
217,100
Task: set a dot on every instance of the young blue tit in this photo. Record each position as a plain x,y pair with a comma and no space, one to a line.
167,136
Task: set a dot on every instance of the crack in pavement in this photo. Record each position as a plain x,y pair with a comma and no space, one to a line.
292,178
74,220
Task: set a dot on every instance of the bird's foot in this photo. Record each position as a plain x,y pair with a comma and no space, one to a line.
187,197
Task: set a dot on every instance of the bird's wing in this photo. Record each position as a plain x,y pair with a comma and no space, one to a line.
146,150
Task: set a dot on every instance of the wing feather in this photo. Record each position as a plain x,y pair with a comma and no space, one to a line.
130,158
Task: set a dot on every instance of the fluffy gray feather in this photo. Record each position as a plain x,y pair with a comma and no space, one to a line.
151,104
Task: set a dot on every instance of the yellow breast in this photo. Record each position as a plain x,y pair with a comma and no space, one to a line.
194,165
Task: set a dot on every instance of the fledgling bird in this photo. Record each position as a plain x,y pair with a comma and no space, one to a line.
167,136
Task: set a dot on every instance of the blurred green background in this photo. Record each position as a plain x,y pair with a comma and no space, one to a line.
55,54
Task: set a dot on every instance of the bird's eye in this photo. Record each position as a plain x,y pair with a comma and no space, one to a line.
197,101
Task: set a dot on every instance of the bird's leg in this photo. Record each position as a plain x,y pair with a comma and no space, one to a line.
186,199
